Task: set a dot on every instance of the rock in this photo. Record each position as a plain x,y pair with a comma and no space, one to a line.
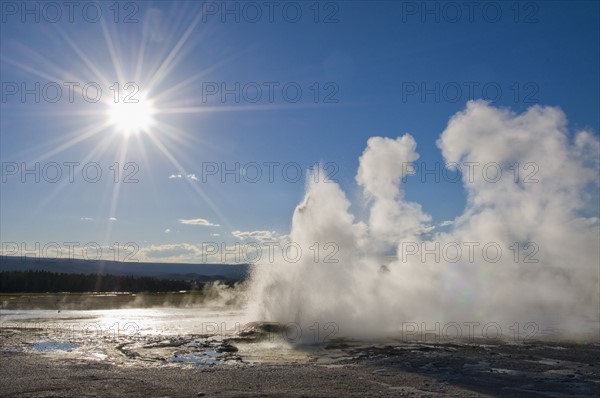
227,348
336,346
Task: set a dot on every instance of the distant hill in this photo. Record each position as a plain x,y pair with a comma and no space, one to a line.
229,272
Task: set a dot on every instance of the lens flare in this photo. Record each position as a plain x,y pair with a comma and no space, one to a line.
132,117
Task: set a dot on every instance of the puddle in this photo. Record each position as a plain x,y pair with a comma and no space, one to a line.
203,358
49,346
10,349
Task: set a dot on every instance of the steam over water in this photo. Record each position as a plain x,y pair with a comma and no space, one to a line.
550,277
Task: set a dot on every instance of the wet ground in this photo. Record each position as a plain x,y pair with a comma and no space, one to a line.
47,362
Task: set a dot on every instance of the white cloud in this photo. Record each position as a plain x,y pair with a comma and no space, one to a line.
262,236
208,252
446,223
112,219
198,221
425,229
215,234
172,252
190,176
87,219
167,230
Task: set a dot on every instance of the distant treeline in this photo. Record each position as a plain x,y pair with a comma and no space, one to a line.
44,281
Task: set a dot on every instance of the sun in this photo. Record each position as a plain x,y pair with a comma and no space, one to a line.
132,117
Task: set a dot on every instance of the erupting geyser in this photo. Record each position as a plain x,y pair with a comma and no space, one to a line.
521,252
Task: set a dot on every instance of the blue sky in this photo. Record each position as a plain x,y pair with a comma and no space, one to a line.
361,63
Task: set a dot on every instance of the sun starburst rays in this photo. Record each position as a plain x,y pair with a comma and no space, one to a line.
132,117
124,119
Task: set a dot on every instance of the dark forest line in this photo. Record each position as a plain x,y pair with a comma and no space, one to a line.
45,281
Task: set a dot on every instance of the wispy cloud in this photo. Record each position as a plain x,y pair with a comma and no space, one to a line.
87,219
262,236
178,252
112,218
195,254
167,230
198,221
191,176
